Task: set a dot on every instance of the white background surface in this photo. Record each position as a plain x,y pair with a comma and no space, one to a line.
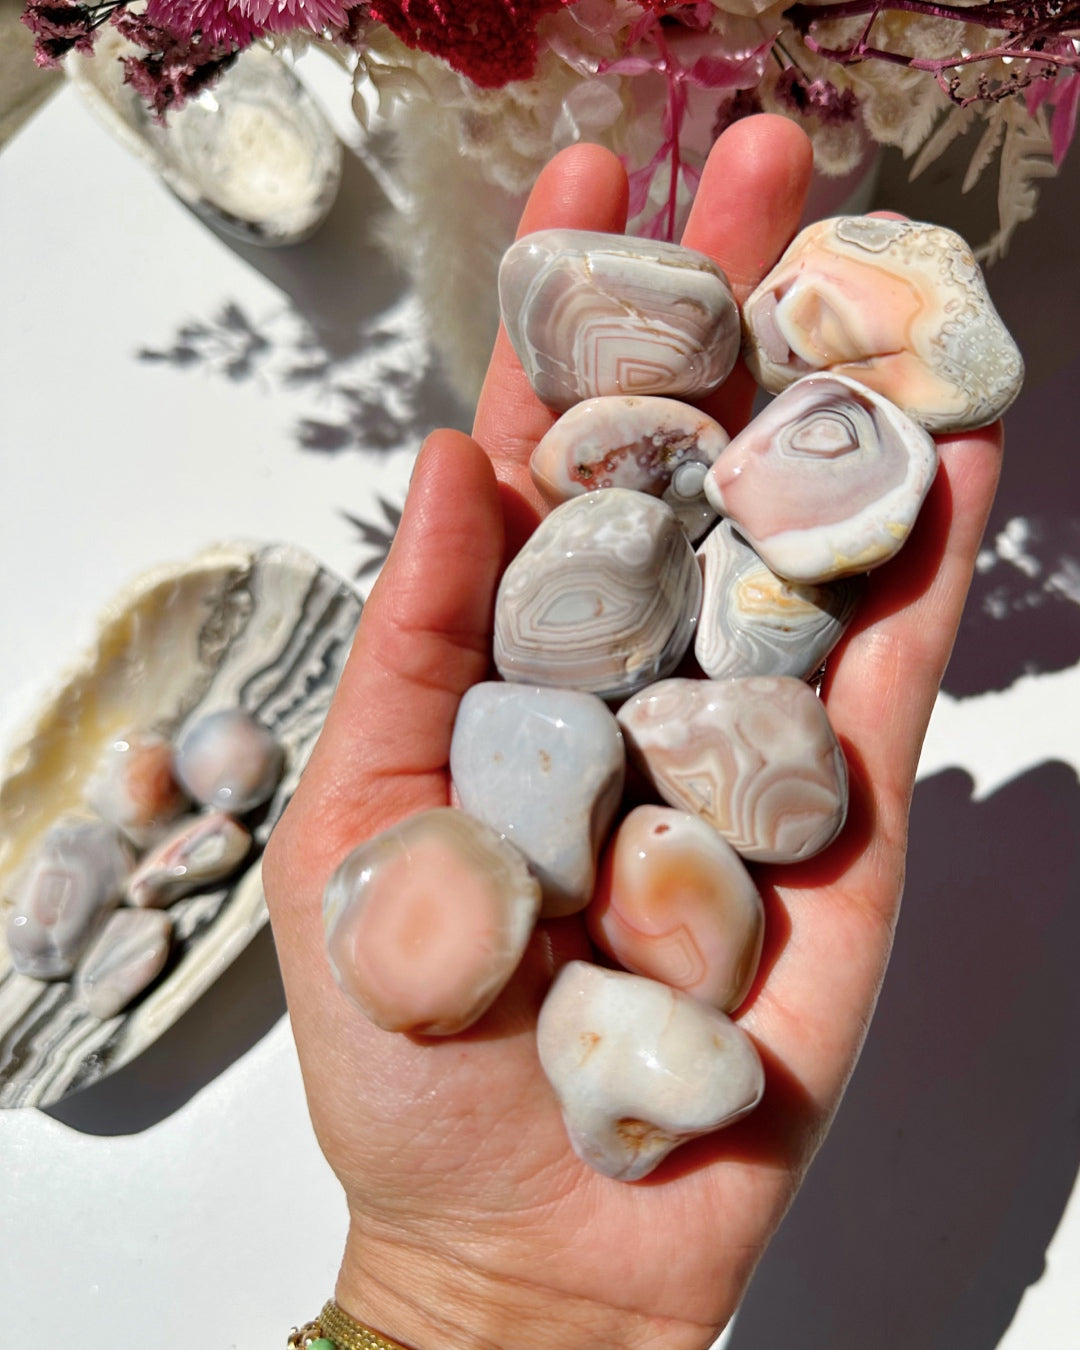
187,1204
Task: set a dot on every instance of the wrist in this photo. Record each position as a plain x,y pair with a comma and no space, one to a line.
436,1301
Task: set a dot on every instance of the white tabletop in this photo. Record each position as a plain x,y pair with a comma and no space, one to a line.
185,1201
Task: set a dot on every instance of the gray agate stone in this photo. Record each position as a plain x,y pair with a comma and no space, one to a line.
898,305
603,597
229,760
639,1068
544,768
756,623
755,757
591,313
71,885
827,481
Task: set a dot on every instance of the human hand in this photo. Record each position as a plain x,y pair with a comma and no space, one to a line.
472,1222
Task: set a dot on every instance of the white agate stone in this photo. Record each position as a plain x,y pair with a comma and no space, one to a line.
685,494
603,597
899,306
544,768
676,903
827,481
639,1068
592,314
127,955
69,887
755,757
201,851
426,922
228,760
134,788
756,623
634,443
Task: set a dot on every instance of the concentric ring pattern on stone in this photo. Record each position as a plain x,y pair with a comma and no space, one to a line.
756,623
591,313
603,597
754,757
827,481
628,442
900,306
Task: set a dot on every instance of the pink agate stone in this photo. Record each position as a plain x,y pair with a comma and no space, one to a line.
126,956
898,305
426,922
635,443
196,854
827,481
133,786
755,757
675,902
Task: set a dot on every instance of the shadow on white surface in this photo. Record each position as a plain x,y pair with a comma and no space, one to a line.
223,1025
929,1210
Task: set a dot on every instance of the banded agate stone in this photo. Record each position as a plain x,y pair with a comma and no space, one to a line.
755,623
592,313
603,597
133,786
126,956
63,896
898,305
755,757
674,902
634,443
827,481
426,922
544,768
197,853
639,1068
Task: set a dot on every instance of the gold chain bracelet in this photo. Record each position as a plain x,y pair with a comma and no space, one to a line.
334,1329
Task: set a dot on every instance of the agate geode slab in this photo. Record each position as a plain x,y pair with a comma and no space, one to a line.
898,305
639,1068
755,757
592,314
756,623
634,443
260,627
545,769
427,921
603,597
827,481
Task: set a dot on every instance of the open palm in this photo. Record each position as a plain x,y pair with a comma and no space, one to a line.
472,1221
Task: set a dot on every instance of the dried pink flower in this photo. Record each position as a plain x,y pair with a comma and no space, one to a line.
59,29
490,41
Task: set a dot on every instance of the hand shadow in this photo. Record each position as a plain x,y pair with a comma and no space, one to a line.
929,1210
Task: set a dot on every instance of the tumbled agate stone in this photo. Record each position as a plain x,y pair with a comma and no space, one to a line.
592,313
65,893
676,903
755,623
197,853
133,786
127,955
827,481
426,922
622,442
685,494
639,1068
228,760
603,597
898,305
755,757
544,768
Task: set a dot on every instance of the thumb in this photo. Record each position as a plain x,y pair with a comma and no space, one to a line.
423,639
